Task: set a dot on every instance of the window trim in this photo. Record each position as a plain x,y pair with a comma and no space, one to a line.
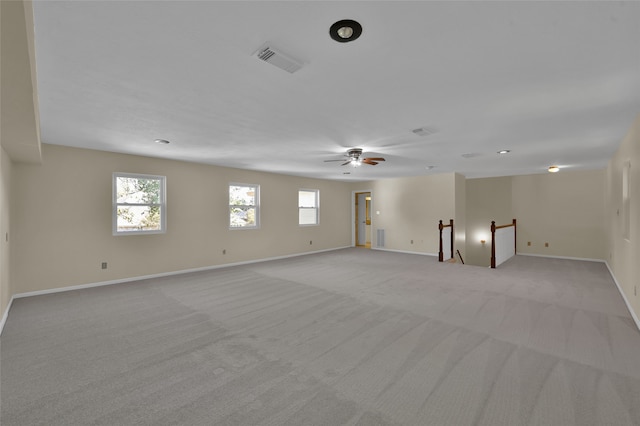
256,187
317,207
626,200
115,204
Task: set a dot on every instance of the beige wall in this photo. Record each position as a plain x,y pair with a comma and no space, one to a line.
410,209
62,219
19,119
5,194
19,127
564,209
460,219
623,255
487,199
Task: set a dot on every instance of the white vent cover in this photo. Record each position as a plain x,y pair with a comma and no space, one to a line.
424,131
275,57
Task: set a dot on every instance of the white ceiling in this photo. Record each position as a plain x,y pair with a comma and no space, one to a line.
554,82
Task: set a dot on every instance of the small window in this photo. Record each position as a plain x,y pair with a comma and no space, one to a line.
139,204
244,206
308,206
626,200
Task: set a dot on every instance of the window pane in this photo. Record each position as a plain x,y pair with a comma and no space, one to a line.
138,190
308,216
307,199
138,204
244,206
138,218
308,207
241,216
242,195
626,200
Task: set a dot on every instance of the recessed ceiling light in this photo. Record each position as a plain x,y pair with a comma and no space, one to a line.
345,30
504,151
430,167
554,169
162,141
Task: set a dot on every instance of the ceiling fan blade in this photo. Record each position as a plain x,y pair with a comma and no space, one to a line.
374,159
344,164
328,161
372,163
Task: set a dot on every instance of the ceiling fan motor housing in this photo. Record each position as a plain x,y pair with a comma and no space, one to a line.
355,153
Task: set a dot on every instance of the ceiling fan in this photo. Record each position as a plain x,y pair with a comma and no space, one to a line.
353,158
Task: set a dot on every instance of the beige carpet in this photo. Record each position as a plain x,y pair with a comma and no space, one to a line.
351,337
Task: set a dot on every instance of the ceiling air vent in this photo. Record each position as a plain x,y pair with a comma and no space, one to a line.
275,57
424,131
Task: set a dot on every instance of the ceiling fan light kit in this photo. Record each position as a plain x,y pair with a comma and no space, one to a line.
353,158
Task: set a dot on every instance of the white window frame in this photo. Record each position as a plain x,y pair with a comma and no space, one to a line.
626,200
162,204
316,208
256,206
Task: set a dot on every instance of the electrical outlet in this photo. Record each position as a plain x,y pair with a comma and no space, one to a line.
546,244
104,265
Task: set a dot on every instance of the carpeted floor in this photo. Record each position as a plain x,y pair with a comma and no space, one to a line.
350,337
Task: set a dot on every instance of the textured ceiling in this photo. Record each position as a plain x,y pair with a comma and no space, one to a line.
554,82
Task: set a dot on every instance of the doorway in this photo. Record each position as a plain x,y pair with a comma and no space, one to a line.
363,219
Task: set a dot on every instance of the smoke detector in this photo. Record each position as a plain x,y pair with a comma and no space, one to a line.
274,56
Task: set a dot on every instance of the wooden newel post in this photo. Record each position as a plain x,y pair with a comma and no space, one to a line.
452,236
493,243
515,237
440,253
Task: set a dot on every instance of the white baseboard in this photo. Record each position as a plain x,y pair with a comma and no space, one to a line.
583,259
405,251
145,277
5,315
624,297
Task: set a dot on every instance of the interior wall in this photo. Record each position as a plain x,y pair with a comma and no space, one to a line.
408,209
565,210
19,124
5,291
19,116
62,219
623,254
5,195
460,219
488,199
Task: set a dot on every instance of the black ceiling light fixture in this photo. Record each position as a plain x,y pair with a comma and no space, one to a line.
345,30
